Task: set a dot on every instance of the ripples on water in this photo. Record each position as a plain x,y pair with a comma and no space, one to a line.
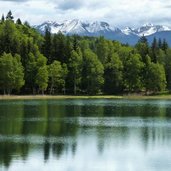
78,135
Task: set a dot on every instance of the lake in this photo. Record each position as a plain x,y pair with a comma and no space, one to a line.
85,135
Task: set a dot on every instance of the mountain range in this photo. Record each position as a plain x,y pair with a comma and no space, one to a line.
98,28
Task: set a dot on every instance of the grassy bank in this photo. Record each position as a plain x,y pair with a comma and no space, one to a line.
15,97
29,97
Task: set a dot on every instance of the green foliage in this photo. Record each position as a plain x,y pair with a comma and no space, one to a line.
94,70
41,78
57,47
12,73
132,73
113,75
161,57
57,75
30,72
155,79
143,48
75,69
102,49
9,38
18,72
164,45
87,65
46,47
154,49
167,66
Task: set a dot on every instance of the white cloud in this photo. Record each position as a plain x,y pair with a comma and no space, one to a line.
116,12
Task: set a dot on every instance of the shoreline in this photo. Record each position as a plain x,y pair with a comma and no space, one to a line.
60,97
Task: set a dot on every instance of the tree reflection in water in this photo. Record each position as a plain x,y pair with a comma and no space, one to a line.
60,128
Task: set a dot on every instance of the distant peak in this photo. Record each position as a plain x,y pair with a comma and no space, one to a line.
148,25
49,22
90,28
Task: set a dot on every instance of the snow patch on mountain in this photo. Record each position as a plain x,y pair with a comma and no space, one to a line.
146,30
99,28
77,27
128,31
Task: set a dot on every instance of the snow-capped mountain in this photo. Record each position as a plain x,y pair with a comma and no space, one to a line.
77,27
146,30
99,28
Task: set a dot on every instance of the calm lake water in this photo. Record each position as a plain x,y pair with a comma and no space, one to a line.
85,135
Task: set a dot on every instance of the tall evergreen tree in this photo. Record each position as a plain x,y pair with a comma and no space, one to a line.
2,18
18,21
154,48
164,45
143,48
113,75
59,49
102,49
167,66
68,49
143,39
47,45
26,23
159,43
30,73
75,42
9,16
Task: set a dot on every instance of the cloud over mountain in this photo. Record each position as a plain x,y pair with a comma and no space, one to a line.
116,12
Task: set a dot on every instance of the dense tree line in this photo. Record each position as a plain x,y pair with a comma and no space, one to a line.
31,63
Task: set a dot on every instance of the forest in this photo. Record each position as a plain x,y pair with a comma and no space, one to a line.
34,63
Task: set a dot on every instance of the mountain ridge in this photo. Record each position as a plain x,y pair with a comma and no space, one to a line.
100,28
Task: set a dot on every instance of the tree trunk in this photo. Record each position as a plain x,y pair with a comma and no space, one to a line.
51,89
75,89
64,88
33,91
9,91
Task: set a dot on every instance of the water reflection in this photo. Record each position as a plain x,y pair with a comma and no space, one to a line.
88,132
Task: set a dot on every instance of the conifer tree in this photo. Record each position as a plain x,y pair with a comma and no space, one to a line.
154,49
9,16
26,23
159,43
164,45
47,45
75,42
113,75
143,48
2,18
18,21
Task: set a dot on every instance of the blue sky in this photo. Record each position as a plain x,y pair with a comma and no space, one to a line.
119,13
